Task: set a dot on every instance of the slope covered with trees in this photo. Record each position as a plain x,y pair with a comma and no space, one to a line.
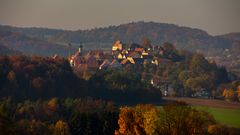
33,77
25,77
29,45
58,117
87,116
183,37
42,95
224,49
6,51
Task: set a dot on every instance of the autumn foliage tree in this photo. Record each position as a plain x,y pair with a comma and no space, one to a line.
58,117
179,118
129,122
61,128
228,94
238,92
171,119
31,77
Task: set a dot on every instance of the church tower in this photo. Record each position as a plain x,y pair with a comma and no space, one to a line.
80,50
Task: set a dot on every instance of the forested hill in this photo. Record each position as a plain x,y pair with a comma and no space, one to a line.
12,40
232,36
183,37
6,51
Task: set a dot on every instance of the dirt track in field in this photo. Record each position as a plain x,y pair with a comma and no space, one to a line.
205,102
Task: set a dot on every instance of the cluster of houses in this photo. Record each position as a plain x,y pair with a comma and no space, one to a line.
120,56
82,62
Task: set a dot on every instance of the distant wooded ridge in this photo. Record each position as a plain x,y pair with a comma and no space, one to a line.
224,49
32,40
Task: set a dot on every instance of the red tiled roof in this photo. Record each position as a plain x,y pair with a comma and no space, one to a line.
133,54
139,49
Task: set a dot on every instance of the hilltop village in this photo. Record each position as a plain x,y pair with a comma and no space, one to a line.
121,56
127,69
172,71
135,56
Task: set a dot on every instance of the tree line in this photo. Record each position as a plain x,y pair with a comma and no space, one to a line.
57,117
187,73
90,116
34,77
175,118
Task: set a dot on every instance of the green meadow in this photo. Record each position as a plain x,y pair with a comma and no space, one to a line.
230,117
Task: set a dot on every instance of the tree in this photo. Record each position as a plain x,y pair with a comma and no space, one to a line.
61,128
53,104
179,118
13,83
86,75
7,127
11,76
38,83
200,82
123,80
146,43
168,47
217,129
171,52
152,121
228,94
126,121
238,92
131,120
171,119
199,64
26,127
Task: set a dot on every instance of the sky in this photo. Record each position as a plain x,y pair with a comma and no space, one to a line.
214,16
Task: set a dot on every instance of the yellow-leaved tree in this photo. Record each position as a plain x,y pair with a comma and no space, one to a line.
152,121
61,128
126,121
228,94
238,92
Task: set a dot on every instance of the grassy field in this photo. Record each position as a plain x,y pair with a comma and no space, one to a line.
230,117
224,112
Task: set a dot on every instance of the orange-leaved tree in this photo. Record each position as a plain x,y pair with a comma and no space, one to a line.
238,92
228,94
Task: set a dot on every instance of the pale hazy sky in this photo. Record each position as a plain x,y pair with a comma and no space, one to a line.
213,16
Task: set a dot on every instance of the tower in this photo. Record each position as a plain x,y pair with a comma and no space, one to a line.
80,50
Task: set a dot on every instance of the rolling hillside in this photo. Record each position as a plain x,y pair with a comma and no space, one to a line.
183,37
6,51
224,49
29,45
